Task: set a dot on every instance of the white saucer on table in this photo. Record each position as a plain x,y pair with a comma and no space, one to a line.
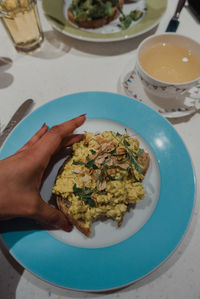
169,108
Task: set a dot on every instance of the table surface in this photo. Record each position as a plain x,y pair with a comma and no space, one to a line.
65,66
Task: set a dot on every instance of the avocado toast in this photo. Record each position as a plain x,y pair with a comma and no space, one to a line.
94,13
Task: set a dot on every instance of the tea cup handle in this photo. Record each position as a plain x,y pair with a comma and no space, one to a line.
194,97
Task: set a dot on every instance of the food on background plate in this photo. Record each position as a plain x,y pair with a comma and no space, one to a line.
93,13
102,179
97,13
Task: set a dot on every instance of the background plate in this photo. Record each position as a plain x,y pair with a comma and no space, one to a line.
108,267
54,11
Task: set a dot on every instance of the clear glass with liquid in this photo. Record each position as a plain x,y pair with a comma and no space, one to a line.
21,20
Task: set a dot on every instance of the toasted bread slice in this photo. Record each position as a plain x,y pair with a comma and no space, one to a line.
144,160
95,23
63,205
80,225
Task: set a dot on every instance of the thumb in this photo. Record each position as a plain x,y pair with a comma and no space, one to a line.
52,218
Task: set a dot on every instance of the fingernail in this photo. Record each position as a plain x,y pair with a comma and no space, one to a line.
82,115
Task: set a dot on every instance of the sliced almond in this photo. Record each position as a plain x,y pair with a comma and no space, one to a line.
111,171
100,159
77,170
99,139
124,166
96,146
86,178
107,146
96,174
120,151
101,186
110,162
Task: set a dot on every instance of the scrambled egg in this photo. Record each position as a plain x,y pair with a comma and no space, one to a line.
103,178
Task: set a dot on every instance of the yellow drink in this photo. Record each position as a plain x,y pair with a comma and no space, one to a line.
21,21
170,63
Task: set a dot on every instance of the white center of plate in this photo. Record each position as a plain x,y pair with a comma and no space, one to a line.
107,233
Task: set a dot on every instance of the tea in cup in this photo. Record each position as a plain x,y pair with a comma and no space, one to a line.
21,21
168,64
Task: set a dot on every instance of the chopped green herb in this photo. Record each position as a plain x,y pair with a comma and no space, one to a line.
76,190
101,176
136,14
140,152
78,162
102,192
93,152
118,134
133,161
126,143
108,8
126,20
88,191
84,194
113,151
91,163
114,178
91,202
88,158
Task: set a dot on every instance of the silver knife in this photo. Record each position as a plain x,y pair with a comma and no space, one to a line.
174,22
21,112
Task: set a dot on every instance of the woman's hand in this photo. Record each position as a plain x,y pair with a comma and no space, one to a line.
21,175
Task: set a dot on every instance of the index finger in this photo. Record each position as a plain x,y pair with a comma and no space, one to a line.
51,141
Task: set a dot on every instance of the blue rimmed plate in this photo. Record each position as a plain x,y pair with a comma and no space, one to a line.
70,260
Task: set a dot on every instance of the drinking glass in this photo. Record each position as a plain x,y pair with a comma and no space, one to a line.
21,21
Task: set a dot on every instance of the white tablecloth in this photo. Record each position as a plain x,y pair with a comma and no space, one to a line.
65,66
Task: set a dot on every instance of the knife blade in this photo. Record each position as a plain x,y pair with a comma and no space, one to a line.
174,22
21,112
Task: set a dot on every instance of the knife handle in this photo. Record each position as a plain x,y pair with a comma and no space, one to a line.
179,7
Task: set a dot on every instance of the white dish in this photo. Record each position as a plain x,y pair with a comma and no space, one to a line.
169,108
98,267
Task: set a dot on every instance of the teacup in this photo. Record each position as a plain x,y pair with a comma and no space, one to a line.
168,64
